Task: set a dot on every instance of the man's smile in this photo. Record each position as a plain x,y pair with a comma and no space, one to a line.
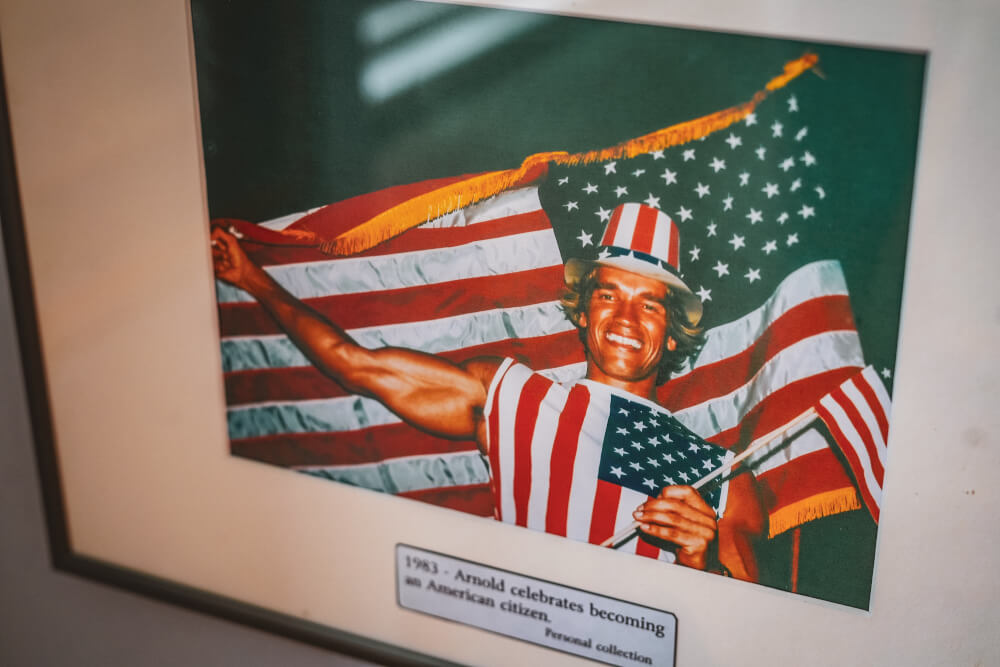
623,340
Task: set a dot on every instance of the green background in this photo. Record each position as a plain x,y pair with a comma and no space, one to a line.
285,128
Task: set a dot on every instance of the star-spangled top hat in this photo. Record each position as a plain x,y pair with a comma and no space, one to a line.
643,240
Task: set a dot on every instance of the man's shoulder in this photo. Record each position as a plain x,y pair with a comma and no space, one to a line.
483,368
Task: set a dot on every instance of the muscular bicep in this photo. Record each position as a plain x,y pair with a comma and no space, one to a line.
425,391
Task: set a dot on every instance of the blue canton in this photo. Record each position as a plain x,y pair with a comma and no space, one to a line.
645,450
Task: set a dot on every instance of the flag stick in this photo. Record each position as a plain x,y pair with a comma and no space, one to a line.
809,415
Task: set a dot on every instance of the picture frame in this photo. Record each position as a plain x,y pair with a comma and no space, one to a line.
193,534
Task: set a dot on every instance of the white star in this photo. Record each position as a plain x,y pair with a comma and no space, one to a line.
619,451
761,152
570,205
808,159
639,426
636,446
801,134
737,242
652,201
734,141
669,480
589,188
669,459
604,214
635,466
657,155
711,229
752,275
609,168
585,239
721,269
654,441
653,462
621,430
770,247
650,483
623,411
689,154
755,216
792,239
693,447
707,465
704,294
820,191
727,203
604,254
702,190
638,172
771,189
621,190
751,119
886,373
695,253
744,178
684,476
793,104
776,128
669,176
807,212
684,214
787,164
717,165
796,184
617,472
564,180
783,218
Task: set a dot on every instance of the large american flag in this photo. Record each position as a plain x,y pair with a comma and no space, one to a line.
485,279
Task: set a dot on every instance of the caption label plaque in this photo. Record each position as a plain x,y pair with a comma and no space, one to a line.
537,611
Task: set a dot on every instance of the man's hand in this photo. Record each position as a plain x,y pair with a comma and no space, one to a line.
680,515
230,261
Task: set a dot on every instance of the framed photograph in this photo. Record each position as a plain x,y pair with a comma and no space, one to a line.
481,269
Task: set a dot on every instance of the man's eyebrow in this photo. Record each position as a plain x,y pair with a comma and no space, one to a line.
648,293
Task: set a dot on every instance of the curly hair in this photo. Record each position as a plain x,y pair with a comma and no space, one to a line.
689,338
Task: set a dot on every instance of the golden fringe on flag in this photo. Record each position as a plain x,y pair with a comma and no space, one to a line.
821,505
445,200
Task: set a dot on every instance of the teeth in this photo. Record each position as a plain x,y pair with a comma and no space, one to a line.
622,340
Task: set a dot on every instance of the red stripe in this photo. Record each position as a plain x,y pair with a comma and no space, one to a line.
337,218
645,228
564,449
369,445
493,437
816,316
806,476
876,406
307,382
644,548
674,247
429,238
864,432
409,304
472,499
605,512
524,429
852,459
781,406
609,233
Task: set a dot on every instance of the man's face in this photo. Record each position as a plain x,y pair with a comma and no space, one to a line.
626,322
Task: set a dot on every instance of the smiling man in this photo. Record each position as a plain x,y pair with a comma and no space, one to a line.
547,443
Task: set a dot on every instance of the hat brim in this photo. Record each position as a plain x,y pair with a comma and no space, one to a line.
575,269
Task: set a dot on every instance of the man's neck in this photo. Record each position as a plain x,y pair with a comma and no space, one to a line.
644,388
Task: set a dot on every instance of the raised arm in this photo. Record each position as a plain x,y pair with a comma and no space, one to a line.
426,391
